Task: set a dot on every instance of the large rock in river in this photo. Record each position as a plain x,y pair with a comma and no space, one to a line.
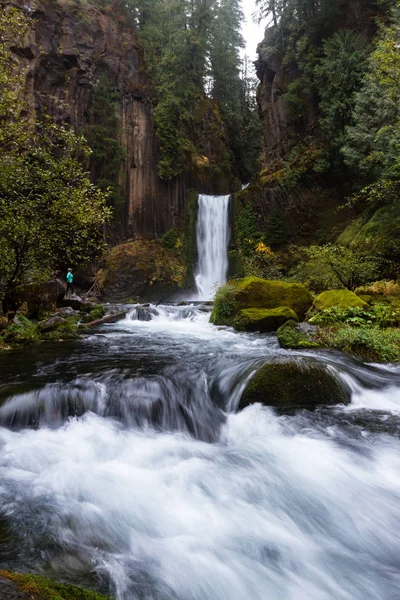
295,384
253,292
263,319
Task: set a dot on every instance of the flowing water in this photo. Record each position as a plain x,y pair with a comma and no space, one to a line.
124,464
212,235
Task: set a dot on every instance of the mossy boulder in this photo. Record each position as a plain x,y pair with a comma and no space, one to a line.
293,385
295,335
253,292
263,319
142,268
341,298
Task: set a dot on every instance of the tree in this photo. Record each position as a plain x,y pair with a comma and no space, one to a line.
50,212
337,77
372,145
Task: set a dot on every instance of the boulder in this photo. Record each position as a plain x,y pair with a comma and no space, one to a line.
52,324
73,301
295,384
40,297
66,311
253,292
263,319
295,335
341,298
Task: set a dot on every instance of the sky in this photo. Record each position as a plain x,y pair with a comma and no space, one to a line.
252,32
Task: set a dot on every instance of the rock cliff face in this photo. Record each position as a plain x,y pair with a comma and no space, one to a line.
275,78
70,45
310,205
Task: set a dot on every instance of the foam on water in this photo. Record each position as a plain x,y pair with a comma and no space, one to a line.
141,472
265,513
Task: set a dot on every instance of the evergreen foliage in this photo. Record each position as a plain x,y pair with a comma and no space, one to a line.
50,212
192,53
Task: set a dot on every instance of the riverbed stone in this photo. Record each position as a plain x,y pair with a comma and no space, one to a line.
263,320
295,384
253,292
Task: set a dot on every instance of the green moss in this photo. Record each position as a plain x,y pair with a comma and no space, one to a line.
263,319
21,331
366,298
225,307
340,298
42,588
294,385
253,292
290,336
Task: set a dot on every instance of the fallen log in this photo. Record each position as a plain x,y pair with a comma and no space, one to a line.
113,318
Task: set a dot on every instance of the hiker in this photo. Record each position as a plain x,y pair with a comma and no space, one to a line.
70,280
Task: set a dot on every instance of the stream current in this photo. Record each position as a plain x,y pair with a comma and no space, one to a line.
124,464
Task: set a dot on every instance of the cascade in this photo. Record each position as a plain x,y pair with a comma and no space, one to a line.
212,236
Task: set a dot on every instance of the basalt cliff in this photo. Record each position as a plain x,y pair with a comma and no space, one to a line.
70,46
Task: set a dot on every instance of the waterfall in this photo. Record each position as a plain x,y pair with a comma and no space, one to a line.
212,237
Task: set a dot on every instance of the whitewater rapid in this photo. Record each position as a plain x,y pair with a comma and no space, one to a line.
248,506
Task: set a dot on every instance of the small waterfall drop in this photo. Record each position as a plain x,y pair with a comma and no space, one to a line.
212,237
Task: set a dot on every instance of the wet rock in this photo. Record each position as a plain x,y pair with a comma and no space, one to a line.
75,302
66,311
263,320
52,324
291,385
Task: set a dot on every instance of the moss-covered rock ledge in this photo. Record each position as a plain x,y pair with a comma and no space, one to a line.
23,586
254,304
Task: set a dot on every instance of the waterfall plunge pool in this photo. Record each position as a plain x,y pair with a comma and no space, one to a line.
124,464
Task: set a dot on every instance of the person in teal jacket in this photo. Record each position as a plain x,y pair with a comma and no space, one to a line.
70,281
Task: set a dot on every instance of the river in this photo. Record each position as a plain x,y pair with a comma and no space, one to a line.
124,464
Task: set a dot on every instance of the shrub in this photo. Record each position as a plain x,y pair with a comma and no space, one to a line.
333,266
367,343
21,331
379,315
387,288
